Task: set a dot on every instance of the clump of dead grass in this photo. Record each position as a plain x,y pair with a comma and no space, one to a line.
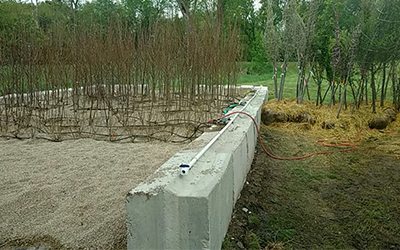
346,126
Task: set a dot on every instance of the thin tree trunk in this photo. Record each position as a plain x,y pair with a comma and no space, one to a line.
358,96
326,92
332,90
331,100
319,97
394,90
37,14
366,90
306,83
343,96
183,6
220,15
373,89
361,93
283,75
386,85
383,85
298,85
318,91
352,92
275,80
34,17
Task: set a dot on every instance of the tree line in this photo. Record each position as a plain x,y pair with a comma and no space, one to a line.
341,46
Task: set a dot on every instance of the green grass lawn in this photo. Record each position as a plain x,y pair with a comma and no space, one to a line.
266,79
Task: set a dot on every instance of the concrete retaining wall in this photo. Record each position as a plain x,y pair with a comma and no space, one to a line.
170,211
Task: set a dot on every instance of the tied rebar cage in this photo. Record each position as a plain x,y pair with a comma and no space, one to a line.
113,83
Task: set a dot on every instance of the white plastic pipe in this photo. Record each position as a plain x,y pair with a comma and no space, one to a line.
184,168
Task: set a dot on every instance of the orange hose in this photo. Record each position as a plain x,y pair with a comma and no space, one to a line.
349,146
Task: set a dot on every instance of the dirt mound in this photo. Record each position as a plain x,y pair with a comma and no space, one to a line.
269,116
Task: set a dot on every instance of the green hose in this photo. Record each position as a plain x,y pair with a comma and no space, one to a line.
229,107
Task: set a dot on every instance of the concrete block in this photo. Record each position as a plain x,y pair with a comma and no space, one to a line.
171,211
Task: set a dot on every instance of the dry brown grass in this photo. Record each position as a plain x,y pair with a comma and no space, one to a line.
346,126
